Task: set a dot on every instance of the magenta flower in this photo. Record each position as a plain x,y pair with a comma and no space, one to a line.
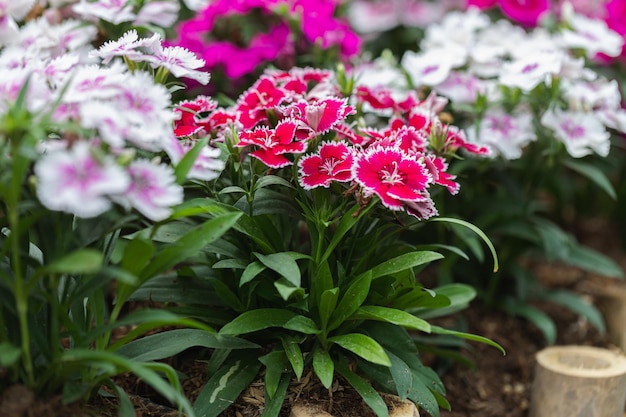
272,144
253,104
391,174
526,12
437,166
322,115
333,162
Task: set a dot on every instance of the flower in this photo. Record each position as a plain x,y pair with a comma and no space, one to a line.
74,180
114,11
592,35
526,12
394,176
272,144
152,190
332,162
581,133
506,134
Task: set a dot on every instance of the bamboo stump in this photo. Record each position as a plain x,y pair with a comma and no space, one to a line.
612,304
578,381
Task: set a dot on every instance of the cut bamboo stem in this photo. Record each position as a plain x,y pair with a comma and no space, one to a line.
578,381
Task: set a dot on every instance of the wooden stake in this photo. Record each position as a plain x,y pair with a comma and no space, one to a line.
578,381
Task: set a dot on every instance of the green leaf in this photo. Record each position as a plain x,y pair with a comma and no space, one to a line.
365,390
348,220
324,367
328,302
534,315
593,261
275,364
259,319
287,290
187,161
189,244
363,346
251,271
169,343
401,375
476,230
391,315
459,295
9,354
274,405
150,373
353,298
468,336
268,180
282,263
578,305
82,261
137,254
125,407
302,324
404,262
294,354
592,173
422,396
224,386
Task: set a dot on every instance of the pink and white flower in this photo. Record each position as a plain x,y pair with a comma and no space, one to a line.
152,190
505,134
113,11
581,133
74,180
592,35
180,61
129,46
333,162
320,116
273,144
392,175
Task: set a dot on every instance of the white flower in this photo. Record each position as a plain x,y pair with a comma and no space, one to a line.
180,61
503,133
74,181
127,46
10,12
196,5
152,190
160,13
582,133
432,67
91,82
461,87
458,28
528,72
113,11
592,35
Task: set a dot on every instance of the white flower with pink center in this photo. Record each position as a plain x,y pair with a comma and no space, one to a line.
76,181
528,72
392,175
180,61
432,67
152,191
581,133
10,12
592,35
129,45
333,162
505,134
461,87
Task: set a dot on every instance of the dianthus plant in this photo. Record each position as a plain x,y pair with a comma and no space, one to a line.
88,154
331,180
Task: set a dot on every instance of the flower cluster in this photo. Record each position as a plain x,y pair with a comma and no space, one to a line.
217,33
469,59
300,117
108,122
530,13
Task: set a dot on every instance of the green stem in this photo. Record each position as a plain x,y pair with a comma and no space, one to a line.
21,297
